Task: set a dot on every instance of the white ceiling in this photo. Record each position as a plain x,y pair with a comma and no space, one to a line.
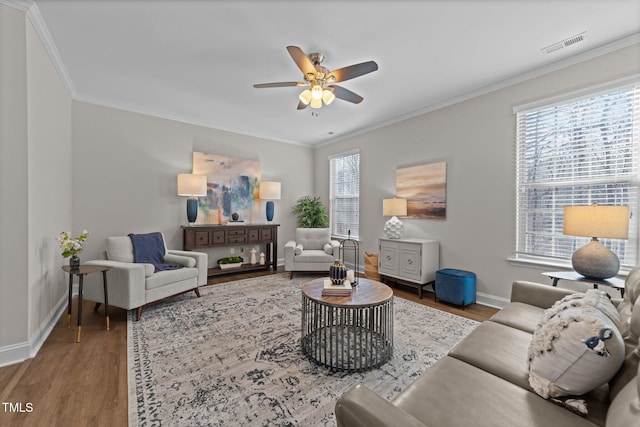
196,61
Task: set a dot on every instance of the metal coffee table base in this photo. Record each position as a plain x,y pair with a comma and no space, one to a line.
347,338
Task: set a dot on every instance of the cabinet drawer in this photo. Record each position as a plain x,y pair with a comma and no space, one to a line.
266,234
236,239
233,233
253,235
217,237
201,238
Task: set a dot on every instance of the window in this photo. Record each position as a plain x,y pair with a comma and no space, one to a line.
345,194
578,151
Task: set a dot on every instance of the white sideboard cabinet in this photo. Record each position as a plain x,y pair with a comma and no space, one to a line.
409,261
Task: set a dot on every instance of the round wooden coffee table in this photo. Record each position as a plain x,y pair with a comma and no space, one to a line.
351,333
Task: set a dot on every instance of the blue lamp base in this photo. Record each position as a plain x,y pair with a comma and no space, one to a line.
192,210
270,210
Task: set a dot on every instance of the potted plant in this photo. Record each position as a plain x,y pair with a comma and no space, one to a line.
230,262
310,212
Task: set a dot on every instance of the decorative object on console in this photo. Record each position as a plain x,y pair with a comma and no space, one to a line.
261,258
425,188
192,185
230,262
253,256
270,190
594,260
72,247
393,207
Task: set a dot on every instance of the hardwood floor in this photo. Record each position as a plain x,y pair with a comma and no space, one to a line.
85,384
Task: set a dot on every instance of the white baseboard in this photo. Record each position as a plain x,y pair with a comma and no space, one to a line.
20,352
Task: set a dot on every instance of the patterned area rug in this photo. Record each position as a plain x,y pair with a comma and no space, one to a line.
232,358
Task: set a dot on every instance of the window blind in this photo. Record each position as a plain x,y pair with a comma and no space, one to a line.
345,194
579,151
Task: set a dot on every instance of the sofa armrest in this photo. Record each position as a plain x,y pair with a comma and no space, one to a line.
537,294
202,263
289,249
188,262
361,407
126,284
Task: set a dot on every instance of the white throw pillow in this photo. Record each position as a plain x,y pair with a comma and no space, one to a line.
298,250
575,349
328,249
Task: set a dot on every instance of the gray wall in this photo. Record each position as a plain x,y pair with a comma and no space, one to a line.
35,191
476,139
125,166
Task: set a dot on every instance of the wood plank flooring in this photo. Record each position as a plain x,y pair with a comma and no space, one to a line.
85,384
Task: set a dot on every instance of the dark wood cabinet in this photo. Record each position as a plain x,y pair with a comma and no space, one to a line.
212,236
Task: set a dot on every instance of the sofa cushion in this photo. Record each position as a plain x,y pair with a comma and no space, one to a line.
520,316
120,248
594,297
163,278
574,351
313,238
298,250
497,349
328,248
453,393
315,256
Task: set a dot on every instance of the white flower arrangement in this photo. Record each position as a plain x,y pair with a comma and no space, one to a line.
69,246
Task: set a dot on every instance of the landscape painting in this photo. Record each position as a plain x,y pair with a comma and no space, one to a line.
425,188
232,188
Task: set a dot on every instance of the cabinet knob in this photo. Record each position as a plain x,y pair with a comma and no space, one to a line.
388,258
409,261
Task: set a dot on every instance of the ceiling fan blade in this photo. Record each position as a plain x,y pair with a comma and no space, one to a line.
302,61
279,84
352,71
302,105
346,94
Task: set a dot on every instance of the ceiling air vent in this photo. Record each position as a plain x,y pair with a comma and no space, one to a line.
565,43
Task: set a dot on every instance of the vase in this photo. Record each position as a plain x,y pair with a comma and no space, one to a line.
74,262
337,272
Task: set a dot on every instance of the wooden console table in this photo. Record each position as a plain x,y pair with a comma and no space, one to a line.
213,236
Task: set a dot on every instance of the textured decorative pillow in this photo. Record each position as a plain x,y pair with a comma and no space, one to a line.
328,249
593,297
298,250
574,350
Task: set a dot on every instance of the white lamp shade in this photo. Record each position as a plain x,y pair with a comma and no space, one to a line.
270,190
394,207
597,221
192,185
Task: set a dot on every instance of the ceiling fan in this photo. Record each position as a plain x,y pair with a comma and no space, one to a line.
321,81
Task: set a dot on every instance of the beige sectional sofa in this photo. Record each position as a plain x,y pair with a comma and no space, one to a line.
484,380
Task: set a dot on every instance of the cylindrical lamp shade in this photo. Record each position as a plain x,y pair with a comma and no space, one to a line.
597,221
394,207
192,185
270,190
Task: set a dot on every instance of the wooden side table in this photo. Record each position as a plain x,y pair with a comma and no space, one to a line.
614,282
82,271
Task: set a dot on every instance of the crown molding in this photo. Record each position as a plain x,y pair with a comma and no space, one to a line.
21,5
47,41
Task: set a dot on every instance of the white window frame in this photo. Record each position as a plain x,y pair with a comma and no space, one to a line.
587,183
339,229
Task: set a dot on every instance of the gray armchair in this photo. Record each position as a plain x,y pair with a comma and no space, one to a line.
312,250
136,285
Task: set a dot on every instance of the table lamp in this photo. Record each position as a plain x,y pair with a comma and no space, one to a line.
192,185
270,190
594,260
393,207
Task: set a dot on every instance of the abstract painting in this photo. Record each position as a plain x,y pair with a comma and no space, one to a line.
232,188
425,188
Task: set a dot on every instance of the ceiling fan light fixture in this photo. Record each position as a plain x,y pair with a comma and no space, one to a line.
327,96
316,92
305,97
316,103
